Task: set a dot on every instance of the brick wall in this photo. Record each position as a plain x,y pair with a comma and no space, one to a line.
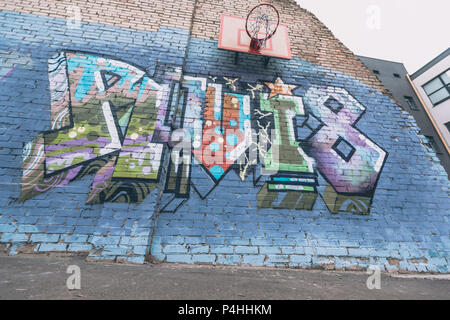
89,119
61,221
136,15
310,39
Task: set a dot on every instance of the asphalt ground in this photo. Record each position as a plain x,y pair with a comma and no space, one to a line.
43,277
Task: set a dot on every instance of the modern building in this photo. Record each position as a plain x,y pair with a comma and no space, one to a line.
433,85
395,78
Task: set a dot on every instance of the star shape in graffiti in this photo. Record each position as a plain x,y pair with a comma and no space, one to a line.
279,87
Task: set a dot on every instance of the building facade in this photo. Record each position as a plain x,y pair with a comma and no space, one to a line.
395,78
433,85
126,135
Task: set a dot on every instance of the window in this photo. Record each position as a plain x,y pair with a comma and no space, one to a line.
397,75
438,89
448,126
411,103
432,144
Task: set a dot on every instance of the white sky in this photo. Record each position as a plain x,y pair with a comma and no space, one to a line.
409,31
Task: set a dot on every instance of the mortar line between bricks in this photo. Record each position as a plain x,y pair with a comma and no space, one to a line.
191,27
167,157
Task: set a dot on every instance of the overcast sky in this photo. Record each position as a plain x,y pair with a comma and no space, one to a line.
409,31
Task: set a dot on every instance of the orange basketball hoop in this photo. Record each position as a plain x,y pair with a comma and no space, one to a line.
261,24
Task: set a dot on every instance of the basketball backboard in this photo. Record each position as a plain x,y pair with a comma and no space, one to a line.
233,36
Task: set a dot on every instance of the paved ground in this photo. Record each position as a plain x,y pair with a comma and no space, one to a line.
42,277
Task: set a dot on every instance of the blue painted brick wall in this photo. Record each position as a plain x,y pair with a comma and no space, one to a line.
59,220
408,226
410,207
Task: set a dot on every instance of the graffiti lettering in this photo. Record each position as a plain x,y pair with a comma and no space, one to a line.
109,118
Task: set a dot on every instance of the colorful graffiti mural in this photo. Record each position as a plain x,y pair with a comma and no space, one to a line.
109,118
